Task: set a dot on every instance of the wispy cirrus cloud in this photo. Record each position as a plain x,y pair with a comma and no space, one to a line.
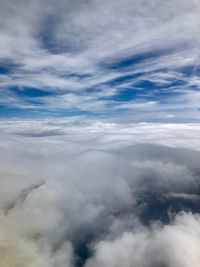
87,50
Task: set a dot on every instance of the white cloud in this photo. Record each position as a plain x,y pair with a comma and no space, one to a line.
67,183
173,245
49,41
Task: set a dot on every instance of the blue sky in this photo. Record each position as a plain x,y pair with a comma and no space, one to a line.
100,58
99,133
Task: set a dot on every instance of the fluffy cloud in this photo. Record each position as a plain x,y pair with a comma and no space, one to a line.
173,245
92,194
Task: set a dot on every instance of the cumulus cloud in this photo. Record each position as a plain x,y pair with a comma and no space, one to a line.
173,245
96,195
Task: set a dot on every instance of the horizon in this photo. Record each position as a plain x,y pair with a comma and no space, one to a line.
99,133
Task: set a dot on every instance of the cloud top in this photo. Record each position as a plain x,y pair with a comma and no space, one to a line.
97,196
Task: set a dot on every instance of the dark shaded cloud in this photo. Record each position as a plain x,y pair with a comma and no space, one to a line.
40,134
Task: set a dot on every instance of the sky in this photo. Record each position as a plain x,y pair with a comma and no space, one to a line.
99,133
136,58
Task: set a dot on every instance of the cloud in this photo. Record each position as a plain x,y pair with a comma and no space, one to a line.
102,194
112,185
79,50
160,246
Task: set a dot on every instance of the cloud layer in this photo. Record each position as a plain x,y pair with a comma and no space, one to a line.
101,57
99,194
117,183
